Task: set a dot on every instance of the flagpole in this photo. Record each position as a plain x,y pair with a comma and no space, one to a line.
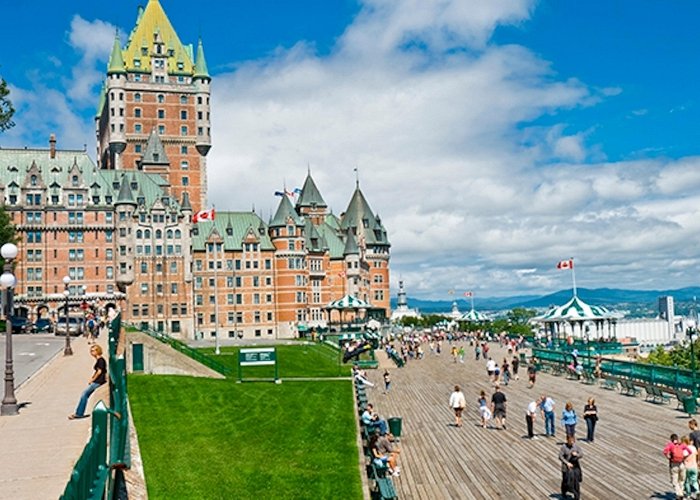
217,348
573,275
471,296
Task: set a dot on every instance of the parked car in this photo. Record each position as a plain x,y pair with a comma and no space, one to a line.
75,326
42,325
20,324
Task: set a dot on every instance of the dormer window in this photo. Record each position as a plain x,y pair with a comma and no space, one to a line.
229,231
137,63
144,51
141,200
74,180
32,180
156,156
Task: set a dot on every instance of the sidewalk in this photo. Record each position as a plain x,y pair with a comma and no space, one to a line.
40,446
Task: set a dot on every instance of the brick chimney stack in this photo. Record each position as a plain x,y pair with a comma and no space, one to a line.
52,146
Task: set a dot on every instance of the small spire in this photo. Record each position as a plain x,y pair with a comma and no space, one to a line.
357,178
200,65
116,61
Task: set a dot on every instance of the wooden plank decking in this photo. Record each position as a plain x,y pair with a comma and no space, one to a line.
441,461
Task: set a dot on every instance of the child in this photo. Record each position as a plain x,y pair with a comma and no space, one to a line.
484,411
387,381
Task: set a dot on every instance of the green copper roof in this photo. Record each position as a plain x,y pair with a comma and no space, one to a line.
359,217
125,196
314,242
351,247
200,66
310,195
285,211
331,239
154,154
154,21
116,61
54,173
234,227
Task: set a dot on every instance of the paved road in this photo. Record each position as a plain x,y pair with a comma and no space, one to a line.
31,352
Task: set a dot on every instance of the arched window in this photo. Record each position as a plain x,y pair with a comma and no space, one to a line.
169,234
159,234
32,180
74,180
139,234
137,97
161,98
178,234
147,233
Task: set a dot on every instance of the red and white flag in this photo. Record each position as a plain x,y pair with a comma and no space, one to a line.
203,215
468,294
566,264
341,274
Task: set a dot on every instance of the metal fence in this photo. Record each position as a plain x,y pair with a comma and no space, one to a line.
187,350
667,376
98,473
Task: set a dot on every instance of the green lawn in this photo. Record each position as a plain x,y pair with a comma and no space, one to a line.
214,439
294,361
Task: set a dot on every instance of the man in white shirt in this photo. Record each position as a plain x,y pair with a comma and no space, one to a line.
458,402
530,418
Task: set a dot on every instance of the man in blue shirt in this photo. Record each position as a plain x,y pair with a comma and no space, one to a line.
547,407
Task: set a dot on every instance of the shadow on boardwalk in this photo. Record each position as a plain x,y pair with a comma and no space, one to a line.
441,461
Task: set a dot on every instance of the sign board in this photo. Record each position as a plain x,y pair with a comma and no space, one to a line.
256,357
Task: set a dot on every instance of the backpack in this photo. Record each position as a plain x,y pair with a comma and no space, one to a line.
676,454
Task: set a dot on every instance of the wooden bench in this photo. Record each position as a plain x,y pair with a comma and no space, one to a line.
557,370
661,396
609,384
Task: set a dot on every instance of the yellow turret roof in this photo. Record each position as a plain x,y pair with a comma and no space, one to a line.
139,47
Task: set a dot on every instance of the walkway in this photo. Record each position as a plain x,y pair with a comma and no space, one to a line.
439,461
40,445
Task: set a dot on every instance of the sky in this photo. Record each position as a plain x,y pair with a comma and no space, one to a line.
494,138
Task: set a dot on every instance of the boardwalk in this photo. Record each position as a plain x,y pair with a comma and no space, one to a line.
440,461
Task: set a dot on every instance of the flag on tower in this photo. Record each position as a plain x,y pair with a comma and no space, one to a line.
566,264
468,294
202,215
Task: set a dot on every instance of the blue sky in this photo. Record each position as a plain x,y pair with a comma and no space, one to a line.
494,138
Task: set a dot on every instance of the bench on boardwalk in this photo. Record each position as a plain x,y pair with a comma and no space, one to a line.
629,389
609,384
588,378
656,395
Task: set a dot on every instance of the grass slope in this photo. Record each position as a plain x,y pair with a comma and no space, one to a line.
293,361
215,439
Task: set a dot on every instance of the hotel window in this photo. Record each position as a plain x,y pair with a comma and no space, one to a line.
183,98
229,298
183,114
161,98
110,272
256,298
161,114
183,130
256,319
144,288
137,148
198,283
183,150
137,112
379,295
137,97
185,181
109,254
161,130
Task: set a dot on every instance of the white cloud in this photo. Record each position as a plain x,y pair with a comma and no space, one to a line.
433,114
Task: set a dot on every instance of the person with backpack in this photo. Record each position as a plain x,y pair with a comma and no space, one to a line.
676,452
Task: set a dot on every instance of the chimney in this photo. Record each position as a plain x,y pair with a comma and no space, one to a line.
52,146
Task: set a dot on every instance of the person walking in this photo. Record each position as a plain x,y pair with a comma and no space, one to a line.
515,364
505,371
676,452
590,415
387,381
460,353
547,407
99,377
498,407
531,373
568,419
457,403
694,432
690,486
484,411
570,456
477,351
530,414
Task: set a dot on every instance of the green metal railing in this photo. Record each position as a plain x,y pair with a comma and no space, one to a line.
89,477
187,351
108,452
666,376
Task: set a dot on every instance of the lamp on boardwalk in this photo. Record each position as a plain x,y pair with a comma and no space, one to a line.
7,283
67,350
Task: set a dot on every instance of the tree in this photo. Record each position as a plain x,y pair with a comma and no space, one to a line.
7,230
7,110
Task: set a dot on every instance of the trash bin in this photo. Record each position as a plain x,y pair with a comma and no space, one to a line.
395,426
690,405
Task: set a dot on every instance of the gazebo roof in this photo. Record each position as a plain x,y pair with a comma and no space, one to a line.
348,302
473,315
576,310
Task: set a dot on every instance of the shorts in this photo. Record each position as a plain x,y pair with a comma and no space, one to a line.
485,412
499,412
531,376
458,411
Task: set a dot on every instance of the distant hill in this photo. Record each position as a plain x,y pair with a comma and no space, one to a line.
597,296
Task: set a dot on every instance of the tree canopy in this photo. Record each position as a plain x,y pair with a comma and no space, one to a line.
7,110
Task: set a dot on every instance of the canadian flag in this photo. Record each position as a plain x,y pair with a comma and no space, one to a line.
204,215
566,264
468,294
341,274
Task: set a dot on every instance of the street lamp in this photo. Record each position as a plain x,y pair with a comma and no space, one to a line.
7,283
690,332
67,351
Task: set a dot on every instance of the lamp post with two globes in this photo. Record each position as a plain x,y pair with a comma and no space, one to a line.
7,282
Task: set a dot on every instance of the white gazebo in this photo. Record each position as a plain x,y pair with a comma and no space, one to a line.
579,315
474,316
346,303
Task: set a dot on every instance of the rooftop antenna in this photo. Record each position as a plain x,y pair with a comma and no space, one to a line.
357,176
